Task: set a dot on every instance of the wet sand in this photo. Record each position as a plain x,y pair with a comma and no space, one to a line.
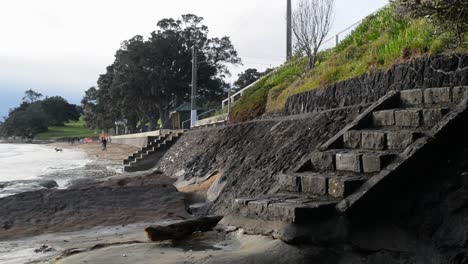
216,247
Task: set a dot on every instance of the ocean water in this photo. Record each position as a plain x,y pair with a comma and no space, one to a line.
24,166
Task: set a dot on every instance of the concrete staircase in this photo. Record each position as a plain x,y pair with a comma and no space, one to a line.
342,170
147,157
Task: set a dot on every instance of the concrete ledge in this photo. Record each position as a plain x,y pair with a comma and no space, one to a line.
322,230
212,121
140,139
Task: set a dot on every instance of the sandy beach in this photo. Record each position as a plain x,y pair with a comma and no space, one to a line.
115,152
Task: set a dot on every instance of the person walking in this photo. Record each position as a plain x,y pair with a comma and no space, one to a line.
104,144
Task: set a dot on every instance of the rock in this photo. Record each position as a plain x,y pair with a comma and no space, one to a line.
343,186
314,184
374,162
323,161
433,116
44,249
383,118
290,183
181,229
408,118
373,140
411,97
437,95
141,199
348,162
460,93
400,140
352,139
49,184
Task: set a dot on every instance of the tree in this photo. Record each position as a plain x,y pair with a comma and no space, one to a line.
449,16
312,20
31,96
59,111
249,76
26,122
150,77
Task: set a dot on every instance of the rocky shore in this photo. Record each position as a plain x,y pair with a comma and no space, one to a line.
95,199
116,201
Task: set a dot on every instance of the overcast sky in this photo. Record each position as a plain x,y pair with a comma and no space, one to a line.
60,47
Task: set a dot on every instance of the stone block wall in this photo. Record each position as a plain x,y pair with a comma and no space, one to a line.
422,72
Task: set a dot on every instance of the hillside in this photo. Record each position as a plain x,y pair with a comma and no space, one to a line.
73,129
380,41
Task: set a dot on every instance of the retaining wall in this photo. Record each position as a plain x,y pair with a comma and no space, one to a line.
138,140
422,72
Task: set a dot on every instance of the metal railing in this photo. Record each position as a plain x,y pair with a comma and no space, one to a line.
198,116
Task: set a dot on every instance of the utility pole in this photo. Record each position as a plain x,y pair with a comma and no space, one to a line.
288,30
229,100
193,113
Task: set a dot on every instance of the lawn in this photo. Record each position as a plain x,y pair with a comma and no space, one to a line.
71,129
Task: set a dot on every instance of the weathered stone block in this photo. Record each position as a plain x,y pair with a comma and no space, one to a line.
281,212
373,140
290,183
374,162
383,118
314,184
323,161
352,139
437,95
411,97
400,140
257,207
348,162
459,94
433,116
342,187
408,118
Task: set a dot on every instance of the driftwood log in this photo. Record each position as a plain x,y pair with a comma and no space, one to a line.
182,229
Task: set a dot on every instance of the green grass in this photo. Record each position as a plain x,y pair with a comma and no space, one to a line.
71,129
253,102
380,41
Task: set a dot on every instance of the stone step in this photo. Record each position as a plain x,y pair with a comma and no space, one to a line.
153,145
320,184
347,162
409,117
362,161
344,186
380,139
284,208
433,96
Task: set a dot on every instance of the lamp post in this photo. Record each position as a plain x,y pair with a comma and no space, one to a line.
288,30
193,112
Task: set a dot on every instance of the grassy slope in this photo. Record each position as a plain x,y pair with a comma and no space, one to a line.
71,129
380,41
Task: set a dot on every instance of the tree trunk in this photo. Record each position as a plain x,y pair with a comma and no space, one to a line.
311,61
182,229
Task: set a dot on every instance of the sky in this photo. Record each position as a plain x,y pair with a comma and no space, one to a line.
60,47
